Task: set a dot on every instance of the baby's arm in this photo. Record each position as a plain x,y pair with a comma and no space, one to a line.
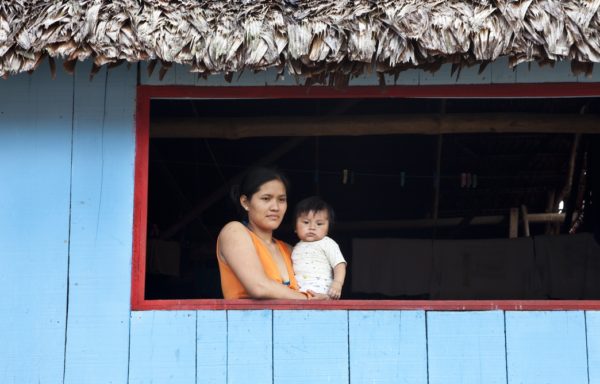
339,274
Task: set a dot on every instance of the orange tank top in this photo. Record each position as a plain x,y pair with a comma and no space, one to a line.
230,284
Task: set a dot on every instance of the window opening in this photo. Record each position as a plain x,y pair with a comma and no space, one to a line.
417,216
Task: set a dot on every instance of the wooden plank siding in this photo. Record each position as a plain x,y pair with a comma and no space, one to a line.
546,347
163,347
466,347
35,173
310,346
387,347
497,72
66,201
365,347
101,222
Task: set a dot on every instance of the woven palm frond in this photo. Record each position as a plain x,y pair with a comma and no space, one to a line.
312,38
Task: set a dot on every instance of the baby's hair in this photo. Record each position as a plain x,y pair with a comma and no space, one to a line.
313,204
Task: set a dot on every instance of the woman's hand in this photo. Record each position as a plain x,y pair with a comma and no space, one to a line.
335,290
312,295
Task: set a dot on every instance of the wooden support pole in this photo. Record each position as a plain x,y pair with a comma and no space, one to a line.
223,190
513,231
525,220
573,193
438,166
550,207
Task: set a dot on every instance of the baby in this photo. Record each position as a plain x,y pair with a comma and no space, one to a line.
318,263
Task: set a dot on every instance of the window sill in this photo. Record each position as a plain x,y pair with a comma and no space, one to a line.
427,305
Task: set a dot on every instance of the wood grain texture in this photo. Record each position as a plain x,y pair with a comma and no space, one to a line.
310,347
546,347
249,347
387,347
163,347
466,347
101,221
211,346
35,171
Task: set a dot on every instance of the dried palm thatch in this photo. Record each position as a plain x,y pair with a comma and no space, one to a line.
317,39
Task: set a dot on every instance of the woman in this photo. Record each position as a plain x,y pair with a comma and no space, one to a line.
252,263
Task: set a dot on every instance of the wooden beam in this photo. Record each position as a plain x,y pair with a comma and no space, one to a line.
545,217
223,190
241,127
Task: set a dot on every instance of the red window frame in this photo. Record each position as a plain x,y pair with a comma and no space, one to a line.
146,93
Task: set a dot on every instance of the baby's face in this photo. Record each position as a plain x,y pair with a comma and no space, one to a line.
312,226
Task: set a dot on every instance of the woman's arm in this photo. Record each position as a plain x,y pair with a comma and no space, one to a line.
237,250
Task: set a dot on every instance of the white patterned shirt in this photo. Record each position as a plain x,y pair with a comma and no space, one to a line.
314,262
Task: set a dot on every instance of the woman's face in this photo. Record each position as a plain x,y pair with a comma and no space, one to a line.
267,206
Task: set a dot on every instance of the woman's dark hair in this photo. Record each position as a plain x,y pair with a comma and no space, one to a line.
313,204
251,182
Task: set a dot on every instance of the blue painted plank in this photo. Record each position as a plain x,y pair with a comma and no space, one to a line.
472,75
163,347
35,168
441,76
501,72
249,346
466,347
533,73
211,346
183,76
387,347
594,77
466,75
310,347
101,222
546,347
154,77
592,319
407,77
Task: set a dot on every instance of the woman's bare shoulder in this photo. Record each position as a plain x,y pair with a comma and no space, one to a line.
232,226
233,230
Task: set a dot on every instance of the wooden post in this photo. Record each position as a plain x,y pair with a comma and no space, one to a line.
513,231
525,220
550,207
438,169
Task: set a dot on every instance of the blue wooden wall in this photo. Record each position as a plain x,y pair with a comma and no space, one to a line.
66,201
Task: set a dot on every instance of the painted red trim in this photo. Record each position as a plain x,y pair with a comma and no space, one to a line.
546,90
140,202
145,93
427,305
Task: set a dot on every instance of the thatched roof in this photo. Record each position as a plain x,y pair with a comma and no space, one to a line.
313,38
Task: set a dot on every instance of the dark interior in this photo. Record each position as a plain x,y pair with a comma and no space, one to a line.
434,188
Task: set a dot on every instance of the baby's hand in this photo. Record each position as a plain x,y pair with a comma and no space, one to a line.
335,290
